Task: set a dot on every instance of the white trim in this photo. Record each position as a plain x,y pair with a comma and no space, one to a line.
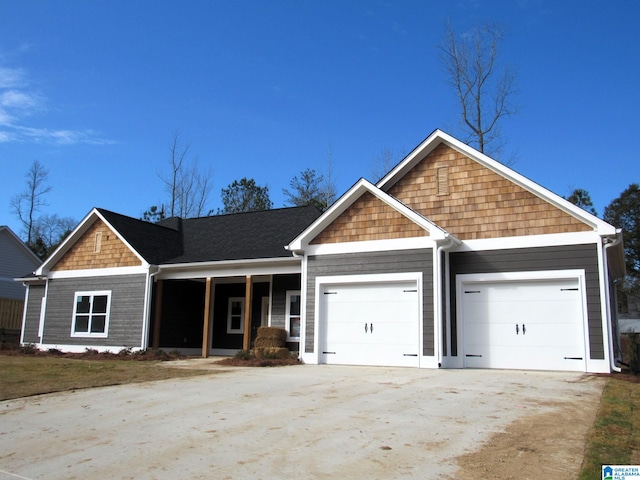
314,358
231,330
90,314
76,234
265,310
303,313
287,314
98,272
41,317
240,268
301,242
529,241
24,314
594,366
413,243
438,137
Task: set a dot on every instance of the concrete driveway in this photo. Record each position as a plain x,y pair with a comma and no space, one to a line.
289,422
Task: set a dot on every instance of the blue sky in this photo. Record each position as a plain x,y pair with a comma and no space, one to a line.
95,90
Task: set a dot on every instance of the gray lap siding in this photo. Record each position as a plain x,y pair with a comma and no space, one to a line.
32,317
125,318
374,263
535,259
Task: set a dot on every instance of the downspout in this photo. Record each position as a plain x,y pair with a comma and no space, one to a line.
439,289
612,360
147,312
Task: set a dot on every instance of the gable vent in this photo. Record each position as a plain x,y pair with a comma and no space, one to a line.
97,245
443,180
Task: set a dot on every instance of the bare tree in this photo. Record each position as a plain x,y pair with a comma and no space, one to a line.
484,91
328,185
187,186
26,204
382,164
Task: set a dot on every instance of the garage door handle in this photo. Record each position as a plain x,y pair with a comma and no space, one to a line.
367,328
517,329
524,329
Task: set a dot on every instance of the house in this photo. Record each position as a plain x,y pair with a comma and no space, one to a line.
451,260
16,259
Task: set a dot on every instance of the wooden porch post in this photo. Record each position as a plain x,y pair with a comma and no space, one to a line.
155,342
246,340
206,326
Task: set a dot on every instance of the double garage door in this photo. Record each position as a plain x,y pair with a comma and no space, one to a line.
374,323
523,324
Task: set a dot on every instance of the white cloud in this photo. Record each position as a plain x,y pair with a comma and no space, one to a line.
19,102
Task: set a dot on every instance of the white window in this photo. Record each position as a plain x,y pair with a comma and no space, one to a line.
292,318
91,314
235,315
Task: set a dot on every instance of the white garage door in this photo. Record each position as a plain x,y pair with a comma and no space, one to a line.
370,324
531,324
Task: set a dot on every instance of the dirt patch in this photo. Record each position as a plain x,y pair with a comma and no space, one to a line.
544,445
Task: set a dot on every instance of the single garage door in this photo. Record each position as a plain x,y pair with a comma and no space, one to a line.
532,324
370,324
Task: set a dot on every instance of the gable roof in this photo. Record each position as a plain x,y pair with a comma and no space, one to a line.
242,236
438,137
348,199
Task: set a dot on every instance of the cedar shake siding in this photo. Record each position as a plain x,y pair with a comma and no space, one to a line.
125,318
374,263
369,218
99,247
32,317
477,202
535,259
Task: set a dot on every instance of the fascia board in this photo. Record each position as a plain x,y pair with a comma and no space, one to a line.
353,194
438,136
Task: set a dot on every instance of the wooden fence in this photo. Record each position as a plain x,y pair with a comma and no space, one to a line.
11,313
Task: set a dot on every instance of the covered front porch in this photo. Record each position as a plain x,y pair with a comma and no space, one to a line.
220,313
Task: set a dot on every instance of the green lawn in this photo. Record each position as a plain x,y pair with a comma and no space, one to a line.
614,438
21,376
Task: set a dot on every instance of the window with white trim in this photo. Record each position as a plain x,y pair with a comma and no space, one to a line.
292,315
91,314
235,315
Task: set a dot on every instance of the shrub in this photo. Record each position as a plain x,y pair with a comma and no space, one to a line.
244,355
29,349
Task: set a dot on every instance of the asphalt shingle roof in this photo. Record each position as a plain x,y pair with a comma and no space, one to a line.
240,236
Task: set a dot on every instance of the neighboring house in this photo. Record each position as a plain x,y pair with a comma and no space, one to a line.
452,260
16,260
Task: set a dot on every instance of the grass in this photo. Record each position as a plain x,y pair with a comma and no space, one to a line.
614,438
22,376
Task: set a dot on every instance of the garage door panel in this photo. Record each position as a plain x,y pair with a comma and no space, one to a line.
535,324
371,324
506,357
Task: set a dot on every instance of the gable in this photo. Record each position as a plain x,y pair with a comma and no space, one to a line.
471,201
98,247
369,218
